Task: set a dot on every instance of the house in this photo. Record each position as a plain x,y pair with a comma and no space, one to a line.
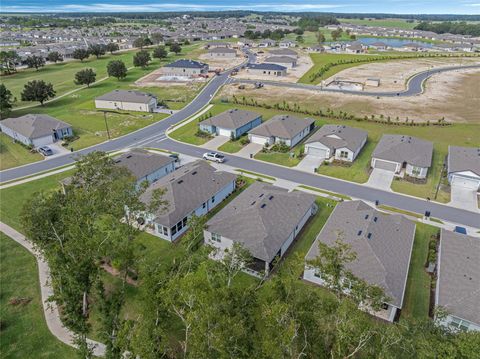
264,219
379,46
283,52
287,61
222,52
195,188
383,246
463,166
231,123
316,48
285,129
342,142
267,43
395,152
215,44
36,129
128,100
354,49
266,69
185,67
458,280
286,44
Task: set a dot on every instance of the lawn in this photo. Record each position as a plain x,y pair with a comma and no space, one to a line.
310,37
284,159
417,296
231,146
24,331
396,23
13,154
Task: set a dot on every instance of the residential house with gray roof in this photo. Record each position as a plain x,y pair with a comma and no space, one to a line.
195,188
397,152
458,280
287,61
383,246
127,100
35,129
222,52
463,166
283,52
344,143
286,129
185,67
266,69
264,219
231,123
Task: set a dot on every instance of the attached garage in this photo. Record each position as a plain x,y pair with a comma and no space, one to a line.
469,183
317,152
224,132
385,165
42,141
259,139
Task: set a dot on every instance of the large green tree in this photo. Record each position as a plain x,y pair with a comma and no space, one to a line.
141,59
176,48
6,101
117,68
35,62
97,50
159,52
8,61
112,47
85,77
80,54
54,56
38,90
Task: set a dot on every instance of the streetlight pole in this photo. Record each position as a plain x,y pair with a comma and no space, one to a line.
106,124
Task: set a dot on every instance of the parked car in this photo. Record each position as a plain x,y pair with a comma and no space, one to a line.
45,150
213,156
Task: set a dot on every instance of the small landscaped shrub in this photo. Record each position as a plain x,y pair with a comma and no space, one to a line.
244,141
280,147
326,163
203,134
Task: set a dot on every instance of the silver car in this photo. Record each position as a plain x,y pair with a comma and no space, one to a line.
214,156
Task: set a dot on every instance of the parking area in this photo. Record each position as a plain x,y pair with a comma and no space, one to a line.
215,142
250,149
380,179
57,150
310,163
464,197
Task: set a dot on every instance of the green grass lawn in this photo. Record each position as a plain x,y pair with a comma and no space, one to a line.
14,154
24,331
417,296
231,146
310,37
397,23
284,159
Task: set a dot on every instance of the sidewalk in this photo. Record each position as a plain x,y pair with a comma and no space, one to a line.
50,309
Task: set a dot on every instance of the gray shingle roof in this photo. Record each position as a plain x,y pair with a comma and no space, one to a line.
384,258
34,125
282,126
458,283
142,163
400,148
350,137
189,64
283,52
127,96
261,218
280,59
222,50
267,67
231,119
186,189
464,159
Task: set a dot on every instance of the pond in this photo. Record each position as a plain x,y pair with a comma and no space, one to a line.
391,41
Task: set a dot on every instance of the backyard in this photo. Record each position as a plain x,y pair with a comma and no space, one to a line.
14,154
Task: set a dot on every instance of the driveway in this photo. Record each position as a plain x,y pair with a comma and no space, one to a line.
215,142
380,179
250,149
463,197
58,150
309,163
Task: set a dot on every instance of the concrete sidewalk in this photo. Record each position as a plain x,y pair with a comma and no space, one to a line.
50,309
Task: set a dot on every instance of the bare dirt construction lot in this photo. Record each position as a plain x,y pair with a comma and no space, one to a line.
393,75
453,95
221,63
304,62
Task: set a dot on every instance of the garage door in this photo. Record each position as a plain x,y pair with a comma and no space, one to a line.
42,141
384,165
258,139
469,183
317,152
224,132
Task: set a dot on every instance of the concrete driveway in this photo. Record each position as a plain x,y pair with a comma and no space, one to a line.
58,150
380,179
463,197
250,149
309,163
215,142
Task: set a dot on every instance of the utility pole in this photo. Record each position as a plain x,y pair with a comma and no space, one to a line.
106,124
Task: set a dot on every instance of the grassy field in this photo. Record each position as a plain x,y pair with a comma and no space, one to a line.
24,331
396,23
310,37
417,295
13,154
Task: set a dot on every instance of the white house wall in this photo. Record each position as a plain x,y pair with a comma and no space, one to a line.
422,174
15,135
127,106
350,155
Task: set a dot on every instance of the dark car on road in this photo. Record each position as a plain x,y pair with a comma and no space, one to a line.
45,150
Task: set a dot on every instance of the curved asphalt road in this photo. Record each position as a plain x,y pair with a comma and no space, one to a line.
154,135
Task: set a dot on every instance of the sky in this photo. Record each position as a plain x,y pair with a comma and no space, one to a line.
469,7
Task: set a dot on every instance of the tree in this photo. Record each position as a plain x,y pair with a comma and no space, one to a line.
335,35
157,37
141,42
160,52
6,101
141,59
112,47
54,56
37,90
80,54
35,61
320,37
8,61
117,68
300,39
176,48
85,77
234,261
97,50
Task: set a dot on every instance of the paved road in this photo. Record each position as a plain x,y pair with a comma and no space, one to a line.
414,85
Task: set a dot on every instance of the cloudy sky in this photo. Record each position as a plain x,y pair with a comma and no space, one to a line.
359,6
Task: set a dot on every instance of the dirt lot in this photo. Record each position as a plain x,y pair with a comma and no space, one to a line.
453,95
394,74
304,62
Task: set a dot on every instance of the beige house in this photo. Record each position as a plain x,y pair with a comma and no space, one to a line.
127,100
222,52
